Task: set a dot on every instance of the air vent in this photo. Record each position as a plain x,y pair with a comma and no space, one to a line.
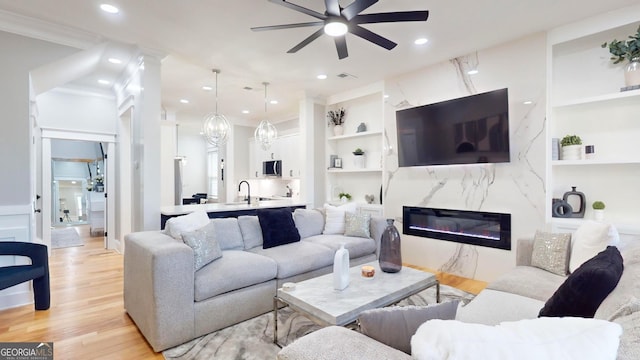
248,88
344,75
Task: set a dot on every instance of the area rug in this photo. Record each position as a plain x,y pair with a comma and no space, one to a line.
253,339
65,237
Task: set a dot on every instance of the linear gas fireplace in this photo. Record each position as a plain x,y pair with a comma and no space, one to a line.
468,227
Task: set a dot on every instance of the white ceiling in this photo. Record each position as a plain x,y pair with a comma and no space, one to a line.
199,35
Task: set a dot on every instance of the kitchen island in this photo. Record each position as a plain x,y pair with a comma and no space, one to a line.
222,210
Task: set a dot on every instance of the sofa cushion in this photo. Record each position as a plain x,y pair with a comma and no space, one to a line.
205,246
530,339
309,222
298,257
586,288
357,225
394,326
228,234
251,231
492,307
236,269
334,217
628,288
551,252
356,246
175,226
278,227
528,281
589,239
629,348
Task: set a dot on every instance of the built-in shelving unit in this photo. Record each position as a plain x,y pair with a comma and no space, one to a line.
364,105
585,99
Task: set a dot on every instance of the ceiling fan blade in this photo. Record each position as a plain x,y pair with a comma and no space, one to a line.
391,17
287,26
356,7
341,46
299,8
373,37
333,7
306,41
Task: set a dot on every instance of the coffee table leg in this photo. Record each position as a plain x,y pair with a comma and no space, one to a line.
275,320
437,291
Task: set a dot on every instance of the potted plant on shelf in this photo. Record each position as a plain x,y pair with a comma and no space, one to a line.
627,50
336,118
344,197
571,147
598,210
358,160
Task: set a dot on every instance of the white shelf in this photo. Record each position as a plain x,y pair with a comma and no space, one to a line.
624,226
356,135
593,162
345,171
599,98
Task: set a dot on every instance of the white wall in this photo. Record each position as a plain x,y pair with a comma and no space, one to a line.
63,109
517,187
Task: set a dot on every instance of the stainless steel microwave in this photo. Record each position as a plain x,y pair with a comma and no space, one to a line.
272,168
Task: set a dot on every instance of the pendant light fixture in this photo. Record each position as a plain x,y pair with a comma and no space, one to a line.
216,126
265,133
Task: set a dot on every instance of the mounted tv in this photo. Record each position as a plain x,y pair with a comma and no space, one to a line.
468,130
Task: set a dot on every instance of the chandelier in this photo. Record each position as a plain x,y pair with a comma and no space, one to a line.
265,133
216,126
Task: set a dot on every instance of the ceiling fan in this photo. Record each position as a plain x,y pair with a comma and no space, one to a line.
337,21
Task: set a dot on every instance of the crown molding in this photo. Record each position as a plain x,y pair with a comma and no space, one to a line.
47,31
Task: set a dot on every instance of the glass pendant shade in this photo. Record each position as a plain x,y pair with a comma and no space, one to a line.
216,129
265,134
216,126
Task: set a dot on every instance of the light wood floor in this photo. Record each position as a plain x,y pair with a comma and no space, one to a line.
87,318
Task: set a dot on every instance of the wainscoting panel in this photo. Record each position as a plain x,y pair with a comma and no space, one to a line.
15,226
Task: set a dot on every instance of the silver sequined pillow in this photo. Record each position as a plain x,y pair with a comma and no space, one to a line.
357,225
204,244
551,252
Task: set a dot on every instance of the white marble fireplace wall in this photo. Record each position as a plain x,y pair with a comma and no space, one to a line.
517,187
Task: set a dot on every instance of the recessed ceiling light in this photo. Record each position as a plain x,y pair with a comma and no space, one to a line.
386,96
321,76
273,102
184,101
472,71
73,181
245,111
421,41
115,61
528,102
207,88
109,8
104,82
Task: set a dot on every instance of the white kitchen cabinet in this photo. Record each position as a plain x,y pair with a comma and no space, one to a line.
289,148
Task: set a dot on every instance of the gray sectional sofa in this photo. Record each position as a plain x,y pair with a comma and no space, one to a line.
172,304
517,295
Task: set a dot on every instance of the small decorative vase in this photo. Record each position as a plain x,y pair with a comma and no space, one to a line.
390,252
341,268
632,72
571,152
598,215
338,130
359,161
580,205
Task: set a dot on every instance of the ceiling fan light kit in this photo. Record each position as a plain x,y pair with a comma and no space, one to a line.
338,21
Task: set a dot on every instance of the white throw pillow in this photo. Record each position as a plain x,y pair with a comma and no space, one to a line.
334,217
589,239
175,226
531,339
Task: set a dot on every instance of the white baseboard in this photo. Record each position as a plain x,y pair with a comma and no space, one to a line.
16,299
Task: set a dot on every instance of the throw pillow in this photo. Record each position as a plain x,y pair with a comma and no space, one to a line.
530,339
334,217
175,226
228,233
251,231
589,239
551,252
309,222
357,225
630,340
585,289
394,326
278,227
204,245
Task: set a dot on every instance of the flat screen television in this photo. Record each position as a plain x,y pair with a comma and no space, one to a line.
467,130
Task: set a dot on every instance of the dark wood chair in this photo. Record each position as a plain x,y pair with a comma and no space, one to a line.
38,270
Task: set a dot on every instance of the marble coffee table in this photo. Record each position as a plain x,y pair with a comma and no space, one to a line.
316,298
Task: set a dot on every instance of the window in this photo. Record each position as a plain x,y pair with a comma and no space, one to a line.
212,171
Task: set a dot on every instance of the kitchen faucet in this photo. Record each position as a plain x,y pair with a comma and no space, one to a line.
248,190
